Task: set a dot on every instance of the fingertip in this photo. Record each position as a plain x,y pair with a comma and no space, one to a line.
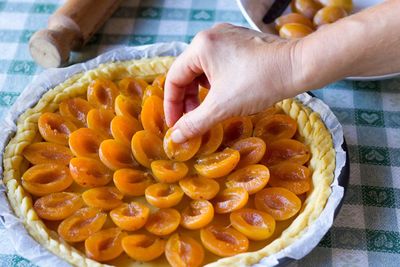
177,136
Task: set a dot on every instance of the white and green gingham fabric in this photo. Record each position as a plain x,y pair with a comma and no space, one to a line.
367,230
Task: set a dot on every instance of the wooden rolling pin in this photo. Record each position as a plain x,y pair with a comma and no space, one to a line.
69,28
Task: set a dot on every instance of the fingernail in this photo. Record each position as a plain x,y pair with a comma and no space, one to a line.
177,136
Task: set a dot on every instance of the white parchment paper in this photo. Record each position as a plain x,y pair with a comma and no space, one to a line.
26,246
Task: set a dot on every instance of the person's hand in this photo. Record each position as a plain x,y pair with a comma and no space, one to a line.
246,70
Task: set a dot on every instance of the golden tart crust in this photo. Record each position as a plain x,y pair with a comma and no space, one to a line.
311,129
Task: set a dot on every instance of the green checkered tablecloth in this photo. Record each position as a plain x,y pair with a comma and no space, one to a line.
366,232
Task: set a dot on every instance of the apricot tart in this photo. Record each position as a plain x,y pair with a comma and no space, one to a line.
96,179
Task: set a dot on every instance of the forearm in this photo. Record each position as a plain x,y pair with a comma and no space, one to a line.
367,43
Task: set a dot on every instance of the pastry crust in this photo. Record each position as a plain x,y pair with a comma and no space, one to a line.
311,129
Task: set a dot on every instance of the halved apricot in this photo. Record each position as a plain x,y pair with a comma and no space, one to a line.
75,109
163,222
132,86
85,142
275,127
279,202
211,140
46,178
147,147
286,150
152,116
101,93
123,128
203,92
236,128
116,155
55,128
105,245
105,198
82,224
132,182
255,224
45,152
292,176
197,187
168,171
130,216
251,149
128,106
230,199
253,178
197,214
223,241
58,206
182,250
88,172
183,151
163,195
265,113
152,90
159,80
217,164
143,247
100,121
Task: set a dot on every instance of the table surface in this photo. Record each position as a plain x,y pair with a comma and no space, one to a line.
366,232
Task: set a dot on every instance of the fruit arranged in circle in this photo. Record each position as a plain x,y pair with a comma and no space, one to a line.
163,222
105,245
223,241
85,142
55,128
88,172
279,202
100,120
143,247
230,199
130,216
211,140
152,90
47,178
163,195
292,176
167,171
236,128
75,110
275,127
329,14
288,150
152,116
132,182
116,155
123,128
217,164
82,224
58,206
128,106
132,86
182,250
46,152
251,150
101,93
292,18
294,31
255,224
147,147
252,178
197,214
105,198
197,187
183,151
265,113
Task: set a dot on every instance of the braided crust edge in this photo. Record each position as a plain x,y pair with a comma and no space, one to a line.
311,128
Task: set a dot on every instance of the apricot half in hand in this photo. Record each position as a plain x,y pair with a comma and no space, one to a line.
152,116
45,152
99,120
105,245
292,176
217,164
85,142
307,8
163,222
132,86
230,199
329,14
123,128
75,109
105,198
286,150
143,247
294,31
82,224
223,241
255,224
275,127
211,140
183,151
101,93
58,206
292,18
182,250
147,147
130,216
132,182
236,128
43,179
346,4
251,149
163,195
55,128
116,155
197,187
252,178
88,172
167,171
279,202
197,214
